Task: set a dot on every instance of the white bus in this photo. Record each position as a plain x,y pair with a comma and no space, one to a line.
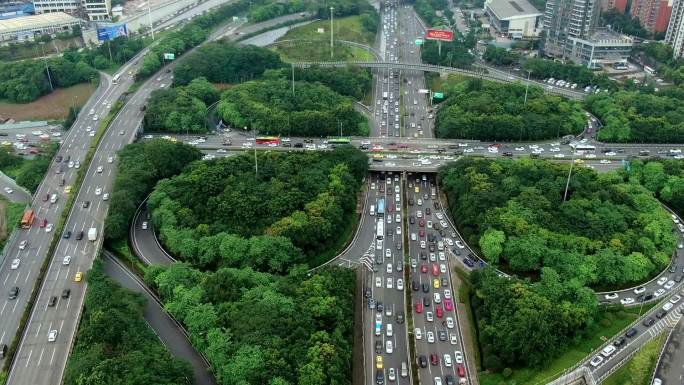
380,230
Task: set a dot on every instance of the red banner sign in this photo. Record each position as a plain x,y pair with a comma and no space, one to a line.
439,34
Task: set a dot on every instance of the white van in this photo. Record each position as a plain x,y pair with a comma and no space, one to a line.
440,245
53,198
372,210
389,330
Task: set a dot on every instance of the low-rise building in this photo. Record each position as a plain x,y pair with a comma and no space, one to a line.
600,47
517,19
28,27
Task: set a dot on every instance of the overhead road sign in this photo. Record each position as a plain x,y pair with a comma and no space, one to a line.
439,34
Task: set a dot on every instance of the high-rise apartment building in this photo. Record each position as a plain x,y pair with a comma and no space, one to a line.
654,15
564,19
93,10
675,30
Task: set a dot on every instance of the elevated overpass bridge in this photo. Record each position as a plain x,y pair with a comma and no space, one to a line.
482,72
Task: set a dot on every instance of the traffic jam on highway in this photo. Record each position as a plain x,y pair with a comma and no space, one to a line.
429,241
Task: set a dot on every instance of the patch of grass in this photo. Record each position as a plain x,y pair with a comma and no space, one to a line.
53,106
122,249
314,46
613,321
12,213
638,370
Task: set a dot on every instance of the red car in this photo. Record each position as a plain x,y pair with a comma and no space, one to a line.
46,197
461,370
423,268
440,312
419,307
421,233
43,223
421,223
434,359
448,304
435,270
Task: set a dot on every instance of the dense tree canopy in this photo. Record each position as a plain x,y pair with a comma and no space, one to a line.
607,234
140,166
217,212
630,116
180,109
500,56
348,81
257,328
664,177
476,109
223,62
115,345
625,23
453,54
269,107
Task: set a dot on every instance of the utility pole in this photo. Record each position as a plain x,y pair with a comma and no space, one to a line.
46,66
567,184
149,18
331,31
527,86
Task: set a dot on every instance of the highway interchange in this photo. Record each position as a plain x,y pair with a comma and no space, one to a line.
41,362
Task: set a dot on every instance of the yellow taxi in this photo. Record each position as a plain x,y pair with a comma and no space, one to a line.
417,189
579,161
378,362
6,143
435,283
79,277
67,189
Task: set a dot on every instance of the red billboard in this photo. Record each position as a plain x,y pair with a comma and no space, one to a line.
439,34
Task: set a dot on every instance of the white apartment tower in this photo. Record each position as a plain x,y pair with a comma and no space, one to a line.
675,29
565,19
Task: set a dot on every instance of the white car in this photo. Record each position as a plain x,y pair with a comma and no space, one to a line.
378,282
105,196
422,244
662,280
590,156
450,322
431,337
605,161
639,290
400,284
559,156
94,117
458,357
453,339
668,306
414,263
675,298
98,191
49,227
520,149
418,333
669,285
99,169
66,260
442,256
413,236
15,264
439,216
442,269
52,336
389,268
611,153
8,190
627,301
23,244
389,347
388,253
460,245
449,241
611,296
447,293
91,133
443,224
659,292
110,159
608,350
144,226
390,282
596,361
429,316
398,230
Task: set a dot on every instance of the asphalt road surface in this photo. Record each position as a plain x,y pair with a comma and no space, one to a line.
671,366
168,331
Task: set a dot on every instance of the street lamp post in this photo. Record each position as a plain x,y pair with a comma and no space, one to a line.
331,31
527,86
46,66
149,18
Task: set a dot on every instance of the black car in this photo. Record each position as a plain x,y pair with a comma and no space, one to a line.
378,346
412,219
450,380
378,260
86,204
427,301
410,201
53,301
648,321
422,361
423,255
445,282
673,268
14,292
435,226
398,245
432,247
58,158
400,317
368,293
436,205
415,285
631,333
426,287
619,342
379,377
400,266
427,211
661,313
379,307
469,262
67,234
66,293
507,153
678,278
371,303
298,145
